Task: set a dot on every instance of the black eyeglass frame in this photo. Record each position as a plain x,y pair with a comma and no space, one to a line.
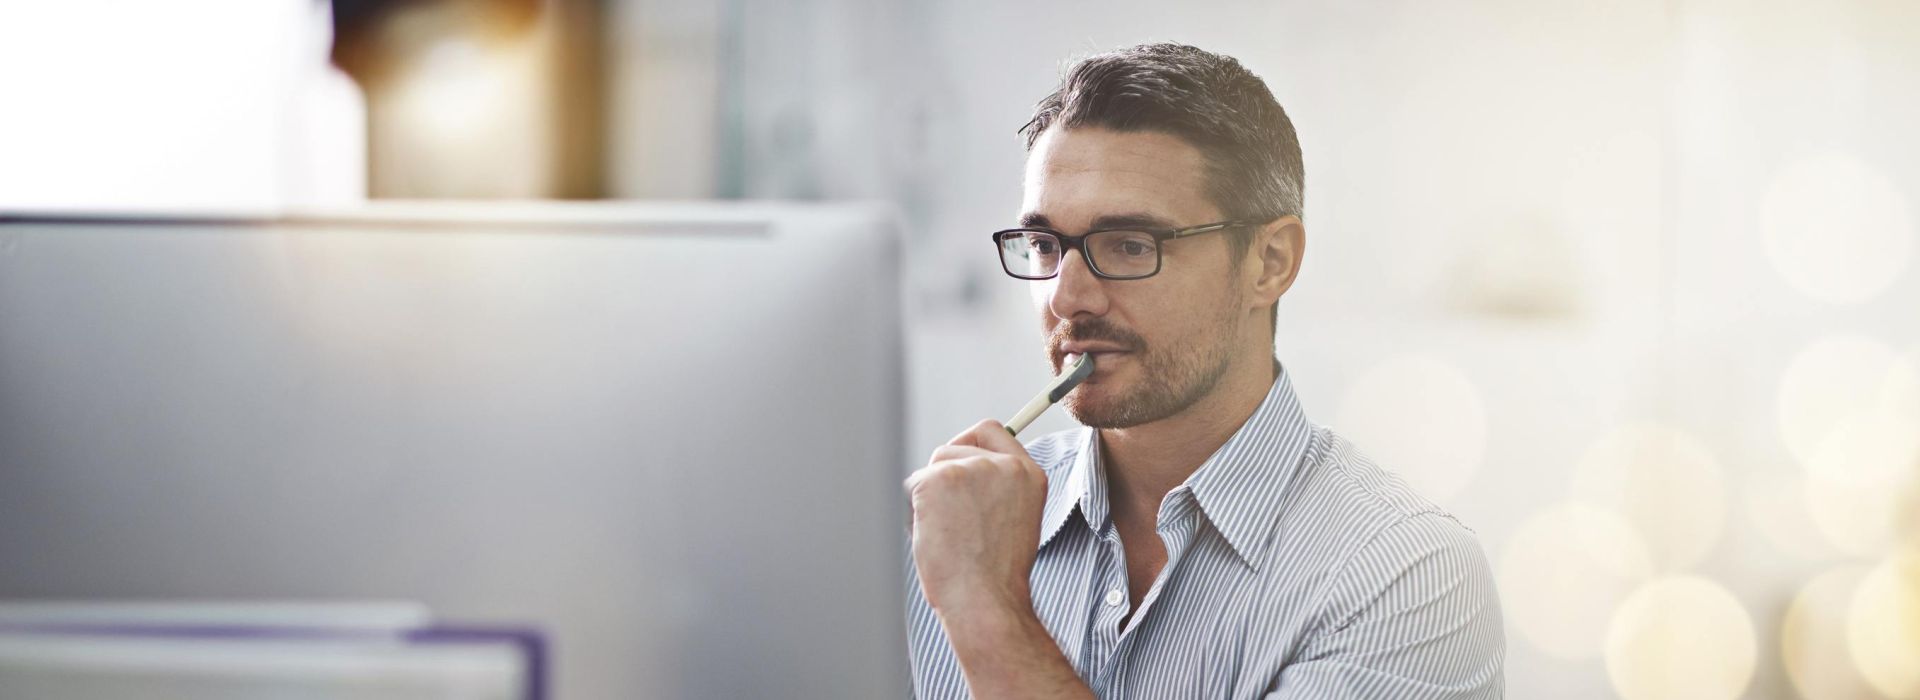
1160,236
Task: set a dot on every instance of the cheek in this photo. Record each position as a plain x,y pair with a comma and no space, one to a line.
1178,318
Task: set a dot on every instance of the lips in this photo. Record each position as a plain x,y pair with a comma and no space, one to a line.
1103,358
1094,349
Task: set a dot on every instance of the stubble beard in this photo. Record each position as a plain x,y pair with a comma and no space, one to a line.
1171,380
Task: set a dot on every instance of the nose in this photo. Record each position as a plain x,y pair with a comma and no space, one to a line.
1076,291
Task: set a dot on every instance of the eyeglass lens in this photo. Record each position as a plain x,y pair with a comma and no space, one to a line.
1037,254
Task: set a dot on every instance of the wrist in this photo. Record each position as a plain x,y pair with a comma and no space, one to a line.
995,627
986,607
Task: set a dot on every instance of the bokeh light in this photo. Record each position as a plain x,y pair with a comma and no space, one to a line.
1813,638
1663,481
1862,486
1835,228
460,84
1422,418
1883,625
468,116
1564,570
1681,638
1831,379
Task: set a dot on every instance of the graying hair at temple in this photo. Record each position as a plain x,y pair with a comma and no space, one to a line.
1254,169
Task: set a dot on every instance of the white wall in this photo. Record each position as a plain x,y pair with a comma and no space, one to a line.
209,105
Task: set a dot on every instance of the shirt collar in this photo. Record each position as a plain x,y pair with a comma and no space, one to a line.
1066,496
1238,488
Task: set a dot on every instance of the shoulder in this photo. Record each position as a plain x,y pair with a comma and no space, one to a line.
1395,538
1346,492
1431,544
1386,526
1367,488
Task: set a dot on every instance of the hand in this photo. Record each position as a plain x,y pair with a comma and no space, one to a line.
976,522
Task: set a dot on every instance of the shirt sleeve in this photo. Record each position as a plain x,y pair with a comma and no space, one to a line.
1414,614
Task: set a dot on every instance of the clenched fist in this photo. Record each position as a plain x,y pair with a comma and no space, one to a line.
976,522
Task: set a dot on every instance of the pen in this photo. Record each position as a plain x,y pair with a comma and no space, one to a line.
1077,371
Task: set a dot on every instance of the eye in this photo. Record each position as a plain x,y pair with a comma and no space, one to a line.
1132,245
1041,245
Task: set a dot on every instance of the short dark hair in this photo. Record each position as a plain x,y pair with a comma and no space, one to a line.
1253,166
1223,110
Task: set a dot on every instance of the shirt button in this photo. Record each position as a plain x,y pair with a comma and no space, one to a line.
1115,597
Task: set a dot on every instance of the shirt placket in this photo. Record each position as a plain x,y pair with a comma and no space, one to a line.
1109,606
1176,532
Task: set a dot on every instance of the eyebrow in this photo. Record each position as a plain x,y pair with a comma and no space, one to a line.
1104,222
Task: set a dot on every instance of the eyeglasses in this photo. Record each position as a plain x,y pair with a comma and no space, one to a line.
1117,254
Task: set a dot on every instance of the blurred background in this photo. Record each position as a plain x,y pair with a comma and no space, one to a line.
1630,287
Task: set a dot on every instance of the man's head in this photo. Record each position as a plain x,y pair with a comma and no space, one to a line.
1164,136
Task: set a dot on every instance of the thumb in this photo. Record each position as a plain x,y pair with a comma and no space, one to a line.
991,435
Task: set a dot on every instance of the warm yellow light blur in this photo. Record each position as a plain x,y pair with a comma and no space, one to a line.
1420,417
1680,638
1813,638
1662,480
1862,487
1883,625
1564,570
460,87
469,117
1831,379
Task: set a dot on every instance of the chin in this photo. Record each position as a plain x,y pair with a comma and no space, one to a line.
1097,406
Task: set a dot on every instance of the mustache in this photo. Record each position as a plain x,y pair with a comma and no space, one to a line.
1088,331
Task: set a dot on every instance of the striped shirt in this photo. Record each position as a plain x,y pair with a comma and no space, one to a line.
1296,568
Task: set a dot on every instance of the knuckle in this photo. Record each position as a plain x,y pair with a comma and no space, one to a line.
949,472
1033,473
933,473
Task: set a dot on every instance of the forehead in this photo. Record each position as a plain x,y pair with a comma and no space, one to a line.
1075,176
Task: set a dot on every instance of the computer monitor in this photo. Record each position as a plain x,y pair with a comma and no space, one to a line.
199,651
669,436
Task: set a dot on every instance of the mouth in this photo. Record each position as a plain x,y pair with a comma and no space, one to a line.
1103,356
1097,350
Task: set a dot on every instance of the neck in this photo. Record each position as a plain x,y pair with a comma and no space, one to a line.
1146,461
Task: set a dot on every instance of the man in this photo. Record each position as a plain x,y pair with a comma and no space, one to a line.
1200,538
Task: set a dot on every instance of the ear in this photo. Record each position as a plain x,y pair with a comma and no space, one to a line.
1274,259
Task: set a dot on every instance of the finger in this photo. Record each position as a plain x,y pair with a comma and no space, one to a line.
977,435
992,435
918,475
949,452
946,454
964,436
